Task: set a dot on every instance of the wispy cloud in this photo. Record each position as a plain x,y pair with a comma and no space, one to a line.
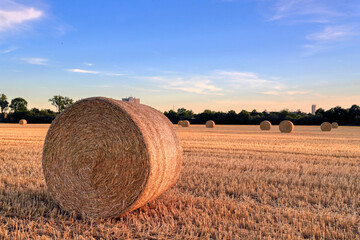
9,50
314,10
13,15
194,84
333,33
248,80
271,93
88,64
282,92
328,37
215,82
76,70
36,61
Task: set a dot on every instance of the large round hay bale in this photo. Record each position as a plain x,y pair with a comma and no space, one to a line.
185,123
265,125
286,126
180,122
104,157
23,122
334,125
325,127
210,124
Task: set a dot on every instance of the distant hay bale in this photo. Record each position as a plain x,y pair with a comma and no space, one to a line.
286,126
210,124
334,125
325,127
180,122
23,122
104,157
185,123
265,125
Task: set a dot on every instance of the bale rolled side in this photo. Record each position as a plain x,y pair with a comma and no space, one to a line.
265,125
286,126
23,122
185,123
325,127
103,157
210,124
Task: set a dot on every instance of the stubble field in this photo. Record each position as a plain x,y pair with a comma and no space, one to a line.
237,182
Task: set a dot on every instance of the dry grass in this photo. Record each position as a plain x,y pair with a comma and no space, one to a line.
236,182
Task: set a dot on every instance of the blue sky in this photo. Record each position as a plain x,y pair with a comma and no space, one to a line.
214,54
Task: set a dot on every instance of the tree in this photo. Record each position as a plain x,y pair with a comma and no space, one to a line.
3,102
18,104
185,114
61,102
244,116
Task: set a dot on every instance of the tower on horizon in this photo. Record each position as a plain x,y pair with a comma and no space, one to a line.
313,109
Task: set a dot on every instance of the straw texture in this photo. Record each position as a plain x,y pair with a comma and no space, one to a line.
265,125
325,127
185,123
104,157
23,122
334,125
210,124
286,126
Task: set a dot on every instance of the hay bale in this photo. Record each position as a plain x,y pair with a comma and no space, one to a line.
23,122
286,126
265,125
325,127
180,122
104,157
334,125
185,123
210,124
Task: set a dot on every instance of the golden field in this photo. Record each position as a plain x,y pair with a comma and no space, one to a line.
237,182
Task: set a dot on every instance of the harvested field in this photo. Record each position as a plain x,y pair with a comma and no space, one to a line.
236,182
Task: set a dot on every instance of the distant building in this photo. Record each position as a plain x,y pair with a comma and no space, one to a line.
313,109
131,99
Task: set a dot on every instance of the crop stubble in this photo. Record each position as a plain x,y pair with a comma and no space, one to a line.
236,181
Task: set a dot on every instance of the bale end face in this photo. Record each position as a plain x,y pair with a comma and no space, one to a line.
334,125
265,125
103,157
325,127
210,124
286,126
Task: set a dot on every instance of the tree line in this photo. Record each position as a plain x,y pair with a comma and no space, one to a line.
349,116
16,109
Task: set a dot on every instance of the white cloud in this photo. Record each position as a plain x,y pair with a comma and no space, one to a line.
312,10
271,93
193,84
331,33
247,79
296,92
8,50
88,64
36,61
292,92
13,15
76,70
